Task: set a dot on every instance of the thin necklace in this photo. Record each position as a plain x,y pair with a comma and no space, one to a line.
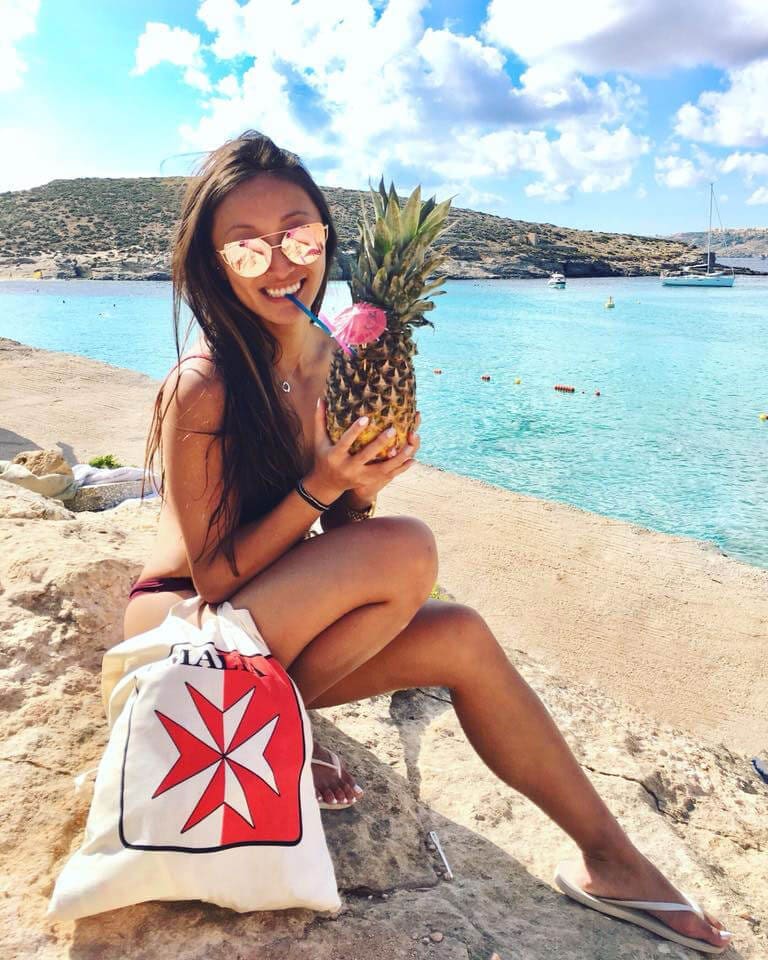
285,385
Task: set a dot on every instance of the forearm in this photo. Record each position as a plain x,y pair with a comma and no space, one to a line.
256,546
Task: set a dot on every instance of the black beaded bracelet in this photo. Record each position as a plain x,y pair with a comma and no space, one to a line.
308,498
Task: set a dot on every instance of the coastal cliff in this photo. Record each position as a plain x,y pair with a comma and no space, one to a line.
121,229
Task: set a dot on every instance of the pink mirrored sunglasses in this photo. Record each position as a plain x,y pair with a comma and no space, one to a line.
301,245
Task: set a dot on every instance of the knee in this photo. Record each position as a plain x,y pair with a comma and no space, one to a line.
409,553
469,641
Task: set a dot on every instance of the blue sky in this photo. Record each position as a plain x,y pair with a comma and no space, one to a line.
609,114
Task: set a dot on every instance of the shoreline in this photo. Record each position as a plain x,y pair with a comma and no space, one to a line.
664,623
163,277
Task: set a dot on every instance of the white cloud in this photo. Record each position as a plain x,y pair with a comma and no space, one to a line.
18,19
28,160
736,117
163,44
759,196
639,36
680,172
751,165
391,95
587,158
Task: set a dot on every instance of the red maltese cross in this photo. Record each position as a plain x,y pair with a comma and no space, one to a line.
235,756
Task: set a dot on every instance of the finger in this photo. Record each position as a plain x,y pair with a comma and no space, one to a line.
400,458
321,431
351,434
401,469
371,450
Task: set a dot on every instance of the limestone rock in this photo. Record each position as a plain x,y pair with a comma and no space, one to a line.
698,811
41,462
17,503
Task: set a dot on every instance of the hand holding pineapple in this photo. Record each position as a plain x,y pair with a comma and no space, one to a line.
337,469
391,285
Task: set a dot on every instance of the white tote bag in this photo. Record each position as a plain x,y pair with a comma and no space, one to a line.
204,791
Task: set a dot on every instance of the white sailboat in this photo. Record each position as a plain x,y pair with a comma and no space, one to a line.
701,275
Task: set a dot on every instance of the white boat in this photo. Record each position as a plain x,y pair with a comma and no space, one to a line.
714,278
701,275
557,280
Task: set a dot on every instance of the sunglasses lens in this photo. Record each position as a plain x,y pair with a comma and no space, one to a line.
305,244
249,258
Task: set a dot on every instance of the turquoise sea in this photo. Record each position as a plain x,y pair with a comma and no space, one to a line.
674,441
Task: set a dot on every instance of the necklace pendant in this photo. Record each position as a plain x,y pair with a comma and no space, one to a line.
286,386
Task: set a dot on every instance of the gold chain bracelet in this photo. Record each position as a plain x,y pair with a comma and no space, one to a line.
356,515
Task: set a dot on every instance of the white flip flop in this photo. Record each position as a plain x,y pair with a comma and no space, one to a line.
635,911
336,766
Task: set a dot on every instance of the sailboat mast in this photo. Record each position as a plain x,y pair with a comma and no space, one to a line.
709,232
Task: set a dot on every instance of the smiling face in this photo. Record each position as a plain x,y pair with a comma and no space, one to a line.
266,206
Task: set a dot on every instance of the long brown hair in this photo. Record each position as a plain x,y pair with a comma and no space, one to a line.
260,435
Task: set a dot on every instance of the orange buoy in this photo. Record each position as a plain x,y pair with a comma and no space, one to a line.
486,377
563,388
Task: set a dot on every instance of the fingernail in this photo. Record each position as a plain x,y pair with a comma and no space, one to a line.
358,789
726,935
392,453
334,800
391,432
363,421
353,800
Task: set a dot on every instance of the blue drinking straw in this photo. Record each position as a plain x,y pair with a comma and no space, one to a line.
313,318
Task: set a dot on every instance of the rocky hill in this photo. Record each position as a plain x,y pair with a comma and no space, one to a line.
122,229
735,242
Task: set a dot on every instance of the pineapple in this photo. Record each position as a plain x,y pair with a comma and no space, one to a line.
394,272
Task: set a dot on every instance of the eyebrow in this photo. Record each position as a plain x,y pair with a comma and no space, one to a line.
286,216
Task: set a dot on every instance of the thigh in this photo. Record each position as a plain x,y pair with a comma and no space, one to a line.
148,610
321,579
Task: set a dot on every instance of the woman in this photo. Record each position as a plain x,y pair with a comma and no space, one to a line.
247,469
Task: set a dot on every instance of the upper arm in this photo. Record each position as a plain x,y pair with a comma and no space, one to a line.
194,398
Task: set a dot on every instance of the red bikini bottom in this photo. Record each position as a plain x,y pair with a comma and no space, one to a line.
158,584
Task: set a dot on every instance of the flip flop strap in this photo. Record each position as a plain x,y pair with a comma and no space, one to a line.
690,907
336,765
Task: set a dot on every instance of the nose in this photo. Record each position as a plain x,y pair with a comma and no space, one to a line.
281,267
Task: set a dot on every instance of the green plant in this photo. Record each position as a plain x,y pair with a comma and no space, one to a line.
438,593
107,461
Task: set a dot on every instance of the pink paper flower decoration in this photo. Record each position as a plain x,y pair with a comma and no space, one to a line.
360,323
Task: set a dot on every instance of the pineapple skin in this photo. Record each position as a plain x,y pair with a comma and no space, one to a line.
377,382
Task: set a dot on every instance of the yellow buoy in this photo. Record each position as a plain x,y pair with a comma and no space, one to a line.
518,380
764,416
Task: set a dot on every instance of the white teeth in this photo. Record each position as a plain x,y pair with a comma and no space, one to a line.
282,291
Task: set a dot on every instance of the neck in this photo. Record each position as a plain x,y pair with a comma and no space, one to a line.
295,352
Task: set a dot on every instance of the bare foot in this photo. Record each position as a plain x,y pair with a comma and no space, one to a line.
330,787
637,879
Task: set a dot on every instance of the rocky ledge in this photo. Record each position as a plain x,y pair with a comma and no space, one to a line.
700,812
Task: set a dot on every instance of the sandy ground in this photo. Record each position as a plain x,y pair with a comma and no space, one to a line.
662,623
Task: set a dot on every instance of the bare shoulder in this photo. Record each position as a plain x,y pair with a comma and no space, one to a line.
195,393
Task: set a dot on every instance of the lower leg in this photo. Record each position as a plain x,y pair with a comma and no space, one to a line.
504,720
448,645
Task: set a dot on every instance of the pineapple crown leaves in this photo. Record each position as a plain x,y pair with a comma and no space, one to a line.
396,256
